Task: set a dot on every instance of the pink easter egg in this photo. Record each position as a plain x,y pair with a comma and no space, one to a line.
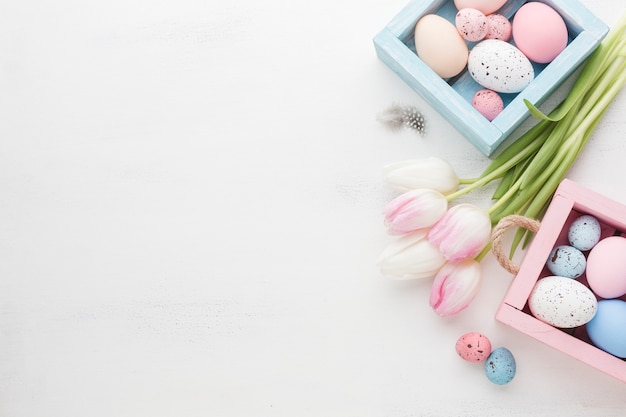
499,27
488,103
471,24
539,32
473,347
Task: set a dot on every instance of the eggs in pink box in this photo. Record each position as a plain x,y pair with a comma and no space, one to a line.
583,315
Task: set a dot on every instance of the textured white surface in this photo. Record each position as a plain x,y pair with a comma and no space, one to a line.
190,221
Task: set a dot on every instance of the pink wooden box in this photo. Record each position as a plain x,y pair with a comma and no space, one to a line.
569,202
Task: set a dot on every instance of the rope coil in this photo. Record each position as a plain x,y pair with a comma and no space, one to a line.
498,232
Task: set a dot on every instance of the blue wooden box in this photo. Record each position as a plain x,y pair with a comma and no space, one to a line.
453,97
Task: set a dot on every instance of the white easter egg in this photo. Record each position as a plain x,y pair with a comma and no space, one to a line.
485,6
499,66
562,302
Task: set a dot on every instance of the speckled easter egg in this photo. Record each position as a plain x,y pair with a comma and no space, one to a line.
500,366
584,232
562,302
499,66
499,27
473,347
566,261
472,24
606,267
488,103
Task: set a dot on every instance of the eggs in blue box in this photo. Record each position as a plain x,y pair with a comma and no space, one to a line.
452,97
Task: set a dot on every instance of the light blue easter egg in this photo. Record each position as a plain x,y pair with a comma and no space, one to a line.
606,329
584,232
500,366
566,261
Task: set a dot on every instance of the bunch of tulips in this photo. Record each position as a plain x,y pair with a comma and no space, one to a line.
447,242
433,239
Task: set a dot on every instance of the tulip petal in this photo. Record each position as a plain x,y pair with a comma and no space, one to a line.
462,232
434,173
413,210
455,287
411,256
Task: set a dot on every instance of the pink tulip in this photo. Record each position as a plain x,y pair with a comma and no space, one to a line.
462,232
411,256
413,210
455,286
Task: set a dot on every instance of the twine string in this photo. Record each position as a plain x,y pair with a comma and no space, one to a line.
498,232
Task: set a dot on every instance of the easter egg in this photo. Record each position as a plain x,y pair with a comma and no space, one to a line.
499,27
584,232
539,32
485,6
499,66
606,267
488,103
472,24
606,329
473,347
440,46
500,366
562,302
566,261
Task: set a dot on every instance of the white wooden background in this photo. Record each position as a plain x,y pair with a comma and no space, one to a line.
190,217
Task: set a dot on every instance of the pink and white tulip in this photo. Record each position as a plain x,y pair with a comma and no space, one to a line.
432,172
462,232
413,210
411,256
455,286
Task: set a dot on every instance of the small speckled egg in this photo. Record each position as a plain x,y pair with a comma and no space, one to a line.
473,347
499,27
584,232
488,103
562,302
500,366
499,66
567,261
472,24
606,267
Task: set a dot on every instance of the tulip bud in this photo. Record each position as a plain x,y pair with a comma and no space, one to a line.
462,232
411,256
432,172
413,210
455,286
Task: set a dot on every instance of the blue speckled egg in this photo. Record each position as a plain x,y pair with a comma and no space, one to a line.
584,232
566,261
500,366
